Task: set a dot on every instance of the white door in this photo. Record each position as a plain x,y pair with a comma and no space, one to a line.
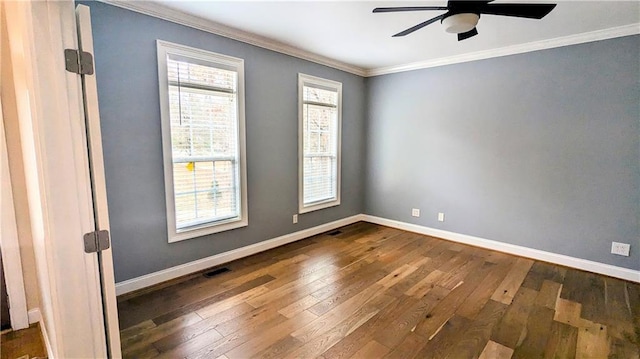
98,186
49,123
58,127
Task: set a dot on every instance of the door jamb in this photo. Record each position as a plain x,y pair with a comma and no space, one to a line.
11,262
9,241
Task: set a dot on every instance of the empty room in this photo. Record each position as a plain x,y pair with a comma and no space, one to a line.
320,179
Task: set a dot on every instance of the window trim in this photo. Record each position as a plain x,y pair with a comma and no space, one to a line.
174,235
303,80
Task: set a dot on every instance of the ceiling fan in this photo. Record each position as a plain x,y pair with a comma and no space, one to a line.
462,16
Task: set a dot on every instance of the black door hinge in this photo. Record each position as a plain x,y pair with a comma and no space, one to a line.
78,62
96,241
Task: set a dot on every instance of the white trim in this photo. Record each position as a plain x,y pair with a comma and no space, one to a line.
148,280
9,241
162,12
99,187
54,154
308,80
45,338
157,10
626,30
165,48
34,315
578,263
208,262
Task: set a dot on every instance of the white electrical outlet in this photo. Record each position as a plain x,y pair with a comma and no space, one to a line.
295,218
415,212
441,217
620,248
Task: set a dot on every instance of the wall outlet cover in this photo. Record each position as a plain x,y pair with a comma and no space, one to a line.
415,212
295,218
620,248
441,217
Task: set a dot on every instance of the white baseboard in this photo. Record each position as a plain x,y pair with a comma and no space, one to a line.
45,337
208,262
34,315
578,263
215,260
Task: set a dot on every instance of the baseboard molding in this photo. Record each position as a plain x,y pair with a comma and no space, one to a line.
215,260
208,262
578,263
34,315
45,336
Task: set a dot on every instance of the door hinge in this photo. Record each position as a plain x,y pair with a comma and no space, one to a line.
96,241
79,62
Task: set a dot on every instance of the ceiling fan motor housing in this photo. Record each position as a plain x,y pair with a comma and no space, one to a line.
460,22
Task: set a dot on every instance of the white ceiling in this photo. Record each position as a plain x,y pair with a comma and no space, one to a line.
347,31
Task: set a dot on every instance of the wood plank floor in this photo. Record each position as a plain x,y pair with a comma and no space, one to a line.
25,343
371,292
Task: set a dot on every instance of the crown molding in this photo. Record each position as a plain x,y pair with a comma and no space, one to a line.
163,12
626,30
157,10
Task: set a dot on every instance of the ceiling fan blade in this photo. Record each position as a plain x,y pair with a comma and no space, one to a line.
419,26
531,11
408,8
465,35
466,3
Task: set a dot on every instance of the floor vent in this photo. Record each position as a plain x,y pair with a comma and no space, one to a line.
216,271
335,233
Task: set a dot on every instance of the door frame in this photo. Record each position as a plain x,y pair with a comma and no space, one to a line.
56,165
11,258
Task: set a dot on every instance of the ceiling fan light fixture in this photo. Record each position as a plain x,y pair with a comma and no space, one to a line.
460,23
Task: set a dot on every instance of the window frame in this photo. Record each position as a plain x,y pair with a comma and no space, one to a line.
304,79
174,235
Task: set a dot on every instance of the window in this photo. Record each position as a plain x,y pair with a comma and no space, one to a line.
319,123
203,140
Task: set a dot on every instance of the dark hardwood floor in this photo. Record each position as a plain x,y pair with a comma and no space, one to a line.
372,292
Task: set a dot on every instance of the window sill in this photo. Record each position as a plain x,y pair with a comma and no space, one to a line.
207,229
318,206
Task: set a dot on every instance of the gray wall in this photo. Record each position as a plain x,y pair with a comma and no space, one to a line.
540,149
127,75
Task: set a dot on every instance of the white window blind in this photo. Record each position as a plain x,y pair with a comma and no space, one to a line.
320,115
205,169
